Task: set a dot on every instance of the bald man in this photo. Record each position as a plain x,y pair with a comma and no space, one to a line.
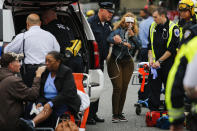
35,43
64,35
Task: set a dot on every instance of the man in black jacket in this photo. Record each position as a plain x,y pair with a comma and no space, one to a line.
64,36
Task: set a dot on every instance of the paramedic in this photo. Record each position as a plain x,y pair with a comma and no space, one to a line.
163,41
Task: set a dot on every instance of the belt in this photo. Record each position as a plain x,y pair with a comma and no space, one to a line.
33,65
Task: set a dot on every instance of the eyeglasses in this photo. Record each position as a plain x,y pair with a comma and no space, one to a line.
183,7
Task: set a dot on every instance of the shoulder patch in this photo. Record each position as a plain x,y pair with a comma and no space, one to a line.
187,34
176,32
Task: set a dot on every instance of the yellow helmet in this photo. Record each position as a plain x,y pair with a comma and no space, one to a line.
186,5
90,12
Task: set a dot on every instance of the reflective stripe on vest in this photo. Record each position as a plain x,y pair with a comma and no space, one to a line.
181,33
169,85
188,50
194,108
181,30
152,29
191,49
175,114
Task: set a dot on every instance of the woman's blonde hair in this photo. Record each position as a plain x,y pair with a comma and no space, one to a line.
123,25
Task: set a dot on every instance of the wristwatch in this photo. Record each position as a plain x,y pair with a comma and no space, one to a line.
160,61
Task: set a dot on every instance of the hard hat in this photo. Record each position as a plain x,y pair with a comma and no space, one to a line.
90,13
186,5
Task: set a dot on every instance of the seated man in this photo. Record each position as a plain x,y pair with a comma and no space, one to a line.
58,93
14,92
64,36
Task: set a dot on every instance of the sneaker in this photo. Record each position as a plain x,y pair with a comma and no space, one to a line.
115,119
122,118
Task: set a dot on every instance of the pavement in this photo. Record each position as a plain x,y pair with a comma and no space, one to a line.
135,122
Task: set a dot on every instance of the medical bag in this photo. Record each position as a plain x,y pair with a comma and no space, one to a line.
152,117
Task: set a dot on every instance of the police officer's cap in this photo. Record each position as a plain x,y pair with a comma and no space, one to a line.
108,6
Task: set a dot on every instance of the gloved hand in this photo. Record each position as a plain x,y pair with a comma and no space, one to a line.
154,72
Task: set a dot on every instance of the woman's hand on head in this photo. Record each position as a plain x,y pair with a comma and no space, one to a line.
117,39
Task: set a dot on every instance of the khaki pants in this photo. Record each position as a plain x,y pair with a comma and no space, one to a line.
120,80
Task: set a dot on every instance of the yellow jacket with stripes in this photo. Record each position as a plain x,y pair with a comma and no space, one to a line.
174,96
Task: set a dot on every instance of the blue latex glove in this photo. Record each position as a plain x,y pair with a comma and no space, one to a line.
154,72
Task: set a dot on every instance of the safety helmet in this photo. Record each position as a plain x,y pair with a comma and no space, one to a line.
90,12
186,5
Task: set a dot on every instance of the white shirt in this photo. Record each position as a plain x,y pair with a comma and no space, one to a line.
191,73
38,43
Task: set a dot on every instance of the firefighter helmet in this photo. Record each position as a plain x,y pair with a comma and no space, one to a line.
186,5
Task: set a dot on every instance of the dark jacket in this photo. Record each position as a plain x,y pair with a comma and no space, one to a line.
13,93
62,33
101,33
177,91
120,50
65,85
160,39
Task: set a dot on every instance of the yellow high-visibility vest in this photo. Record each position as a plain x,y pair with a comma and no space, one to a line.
181,30
188,50
152,29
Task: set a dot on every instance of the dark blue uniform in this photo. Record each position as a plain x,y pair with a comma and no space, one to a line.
101,33
64,35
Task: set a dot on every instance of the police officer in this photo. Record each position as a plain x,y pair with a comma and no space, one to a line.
187,16
64,35
163,40
101,27
175,92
